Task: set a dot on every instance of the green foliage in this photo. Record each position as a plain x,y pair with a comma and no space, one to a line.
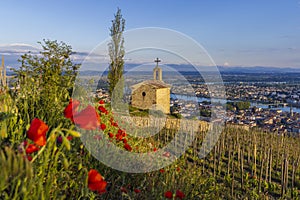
138,112
229,106
176,115
205,112
56,165
16,173
11,127
239,105
242,105
45,82
50,174
116,54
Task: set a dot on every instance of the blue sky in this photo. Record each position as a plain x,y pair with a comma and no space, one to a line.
235,33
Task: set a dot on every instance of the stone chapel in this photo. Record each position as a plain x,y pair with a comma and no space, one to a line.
152,94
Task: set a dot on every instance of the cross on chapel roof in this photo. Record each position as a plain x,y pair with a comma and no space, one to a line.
157,61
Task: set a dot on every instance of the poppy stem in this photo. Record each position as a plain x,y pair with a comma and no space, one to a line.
39,152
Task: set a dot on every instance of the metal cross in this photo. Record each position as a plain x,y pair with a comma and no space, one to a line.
157,61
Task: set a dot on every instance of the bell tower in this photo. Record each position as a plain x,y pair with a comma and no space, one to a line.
157,72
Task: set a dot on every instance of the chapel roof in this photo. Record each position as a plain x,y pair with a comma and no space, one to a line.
155,84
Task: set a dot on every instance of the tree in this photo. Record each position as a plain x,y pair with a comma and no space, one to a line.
241,105
45,81
230,106
116,54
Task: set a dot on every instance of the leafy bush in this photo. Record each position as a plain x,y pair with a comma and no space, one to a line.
44,83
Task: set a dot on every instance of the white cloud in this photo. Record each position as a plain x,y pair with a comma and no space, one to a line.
21,45
226,64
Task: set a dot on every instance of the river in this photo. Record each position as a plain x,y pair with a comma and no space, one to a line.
259,105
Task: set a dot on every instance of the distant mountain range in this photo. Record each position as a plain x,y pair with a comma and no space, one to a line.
227,69
189,70
13,52
258,69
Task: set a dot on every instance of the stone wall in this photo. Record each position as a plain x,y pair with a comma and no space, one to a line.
192,125
143,102
163,99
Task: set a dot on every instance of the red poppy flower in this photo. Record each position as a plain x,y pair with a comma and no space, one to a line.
87,119
161,170
154,149
124,141
59,139
70,138
37,132
127,147
179,194
96,182
137,190
119,137
31,149
122,132
71,109
115,124
169,194
29,157
178,169
102,109
123,189
101,101
103,126
25,142
110,135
